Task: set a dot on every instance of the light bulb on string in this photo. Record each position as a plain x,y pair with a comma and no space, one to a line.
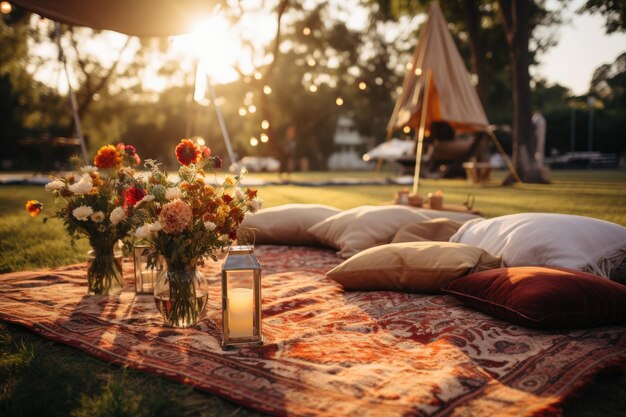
267,89
313,88
306,31
242,111
258,75
252,108
264,137
406,129
265,124
5,7
362,85
254,141
200,140
339,101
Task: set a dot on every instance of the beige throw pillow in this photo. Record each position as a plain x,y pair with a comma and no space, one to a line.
286,224
437,230
363,227
418,267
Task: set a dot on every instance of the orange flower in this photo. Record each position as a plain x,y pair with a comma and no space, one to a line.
33,207
188,152
107,157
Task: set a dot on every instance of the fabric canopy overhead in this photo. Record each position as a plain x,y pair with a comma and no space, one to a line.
451,96
132,17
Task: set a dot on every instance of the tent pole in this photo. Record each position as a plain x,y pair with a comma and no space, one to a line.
220,118
421,131
506,158
73,102
379,161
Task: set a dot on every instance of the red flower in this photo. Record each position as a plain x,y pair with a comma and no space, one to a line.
206,152
188,152
217,162
227,199
130,150
132,195
251,192
33,207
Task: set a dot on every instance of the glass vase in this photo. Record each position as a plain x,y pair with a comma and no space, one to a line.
181,296
104,270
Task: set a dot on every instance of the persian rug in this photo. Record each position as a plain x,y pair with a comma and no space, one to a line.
327,352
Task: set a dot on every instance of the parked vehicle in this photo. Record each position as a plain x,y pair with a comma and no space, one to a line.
257,164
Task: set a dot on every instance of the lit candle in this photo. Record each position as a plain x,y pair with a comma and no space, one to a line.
147,280
240,312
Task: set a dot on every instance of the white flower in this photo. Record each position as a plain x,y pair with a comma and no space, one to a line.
243,172
210,226
117,215
83,186
239,195
97,217
146,198
54,185
156,226
143,232
255,204
173,193
88,169
82,213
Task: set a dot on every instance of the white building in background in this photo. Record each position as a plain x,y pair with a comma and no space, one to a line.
350,144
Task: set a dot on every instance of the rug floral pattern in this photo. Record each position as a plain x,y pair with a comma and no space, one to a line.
327,352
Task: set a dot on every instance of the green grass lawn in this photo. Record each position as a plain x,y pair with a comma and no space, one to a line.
39,377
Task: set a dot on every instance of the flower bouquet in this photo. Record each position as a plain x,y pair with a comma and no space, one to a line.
184,220
95,203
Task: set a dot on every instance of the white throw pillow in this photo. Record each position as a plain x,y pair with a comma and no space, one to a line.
363,227
546,239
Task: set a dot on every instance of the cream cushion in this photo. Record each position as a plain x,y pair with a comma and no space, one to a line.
286,224
363,227
548,239
437,230
419,267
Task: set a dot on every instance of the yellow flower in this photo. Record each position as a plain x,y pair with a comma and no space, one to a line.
33,207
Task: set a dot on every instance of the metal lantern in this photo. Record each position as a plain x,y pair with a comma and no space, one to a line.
145,276
241,298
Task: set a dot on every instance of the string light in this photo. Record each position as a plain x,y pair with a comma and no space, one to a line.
339,101
406,129
258,75
311,62
242,111
267,89
313,88
200,141
264,137
378,81
265,124
418,71
306,31
252,108
362,85
254,141
5,7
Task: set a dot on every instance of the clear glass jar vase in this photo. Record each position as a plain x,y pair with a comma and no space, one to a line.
181,296
104,270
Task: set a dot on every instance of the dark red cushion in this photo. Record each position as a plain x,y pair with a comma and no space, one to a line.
543,298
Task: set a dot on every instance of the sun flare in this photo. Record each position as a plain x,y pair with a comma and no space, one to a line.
216,46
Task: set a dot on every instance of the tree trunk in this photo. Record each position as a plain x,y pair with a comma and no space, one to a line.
516,19
472,22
